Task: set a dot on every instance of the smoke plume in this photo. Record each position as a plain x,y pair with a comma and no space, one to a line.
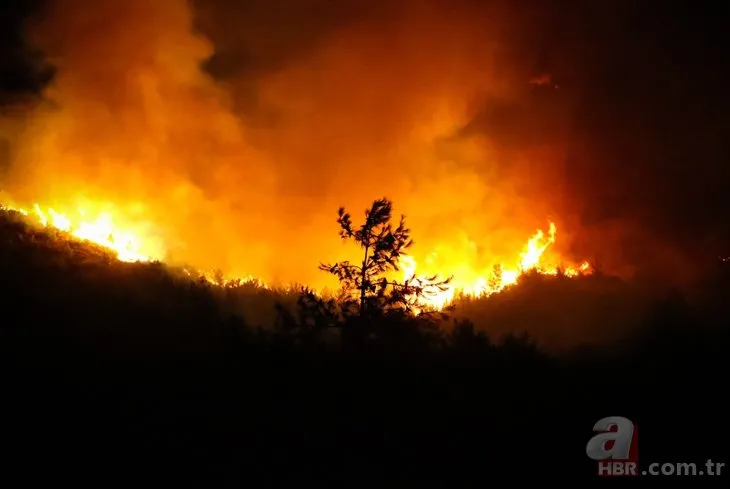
234,131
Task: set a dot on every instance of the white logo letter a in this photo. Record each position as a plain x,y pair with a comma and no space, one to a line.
596,448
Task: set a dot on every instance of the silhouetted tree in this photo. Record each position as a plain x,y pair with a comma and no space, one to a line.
314,314
495,279
368,287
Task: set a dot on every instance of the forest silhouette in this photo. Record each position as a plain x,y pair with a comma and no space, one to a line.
225,134
129,372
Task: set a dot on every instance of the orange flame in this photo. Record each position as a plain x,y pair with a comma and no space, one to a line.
130,243
503,276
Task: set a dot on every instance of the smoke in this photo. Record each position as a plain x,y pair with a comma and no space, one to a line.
131,120
236,129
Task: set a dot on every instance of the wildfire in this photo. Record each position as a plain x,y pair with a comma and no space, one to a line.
129,244
503,276
99,228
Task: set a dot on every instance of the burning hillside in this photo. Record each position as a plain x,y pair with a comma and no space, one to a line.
133,245
136,147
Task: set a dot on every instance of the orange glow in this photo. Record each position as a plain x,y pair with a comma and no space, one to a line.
135,147
132,245
530,259
128,244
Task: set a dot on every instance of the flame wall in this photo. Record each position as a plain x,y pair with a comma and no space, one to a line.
229,133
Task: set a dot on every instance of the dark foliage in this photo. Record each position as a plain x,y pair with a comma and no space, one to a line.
370,298
119,374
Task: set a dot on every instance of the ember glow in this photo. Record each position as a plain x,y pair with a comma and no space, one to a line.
503,275
245,174
129,244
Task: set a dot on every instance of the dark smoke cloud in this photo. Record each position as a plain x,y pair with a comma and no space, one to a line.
316,104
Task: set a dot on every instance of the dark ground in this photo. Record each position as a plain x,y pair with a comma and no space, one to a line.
119,375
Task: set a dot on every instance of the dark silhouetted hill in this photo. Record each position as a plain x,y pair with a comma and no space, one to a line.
118,374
